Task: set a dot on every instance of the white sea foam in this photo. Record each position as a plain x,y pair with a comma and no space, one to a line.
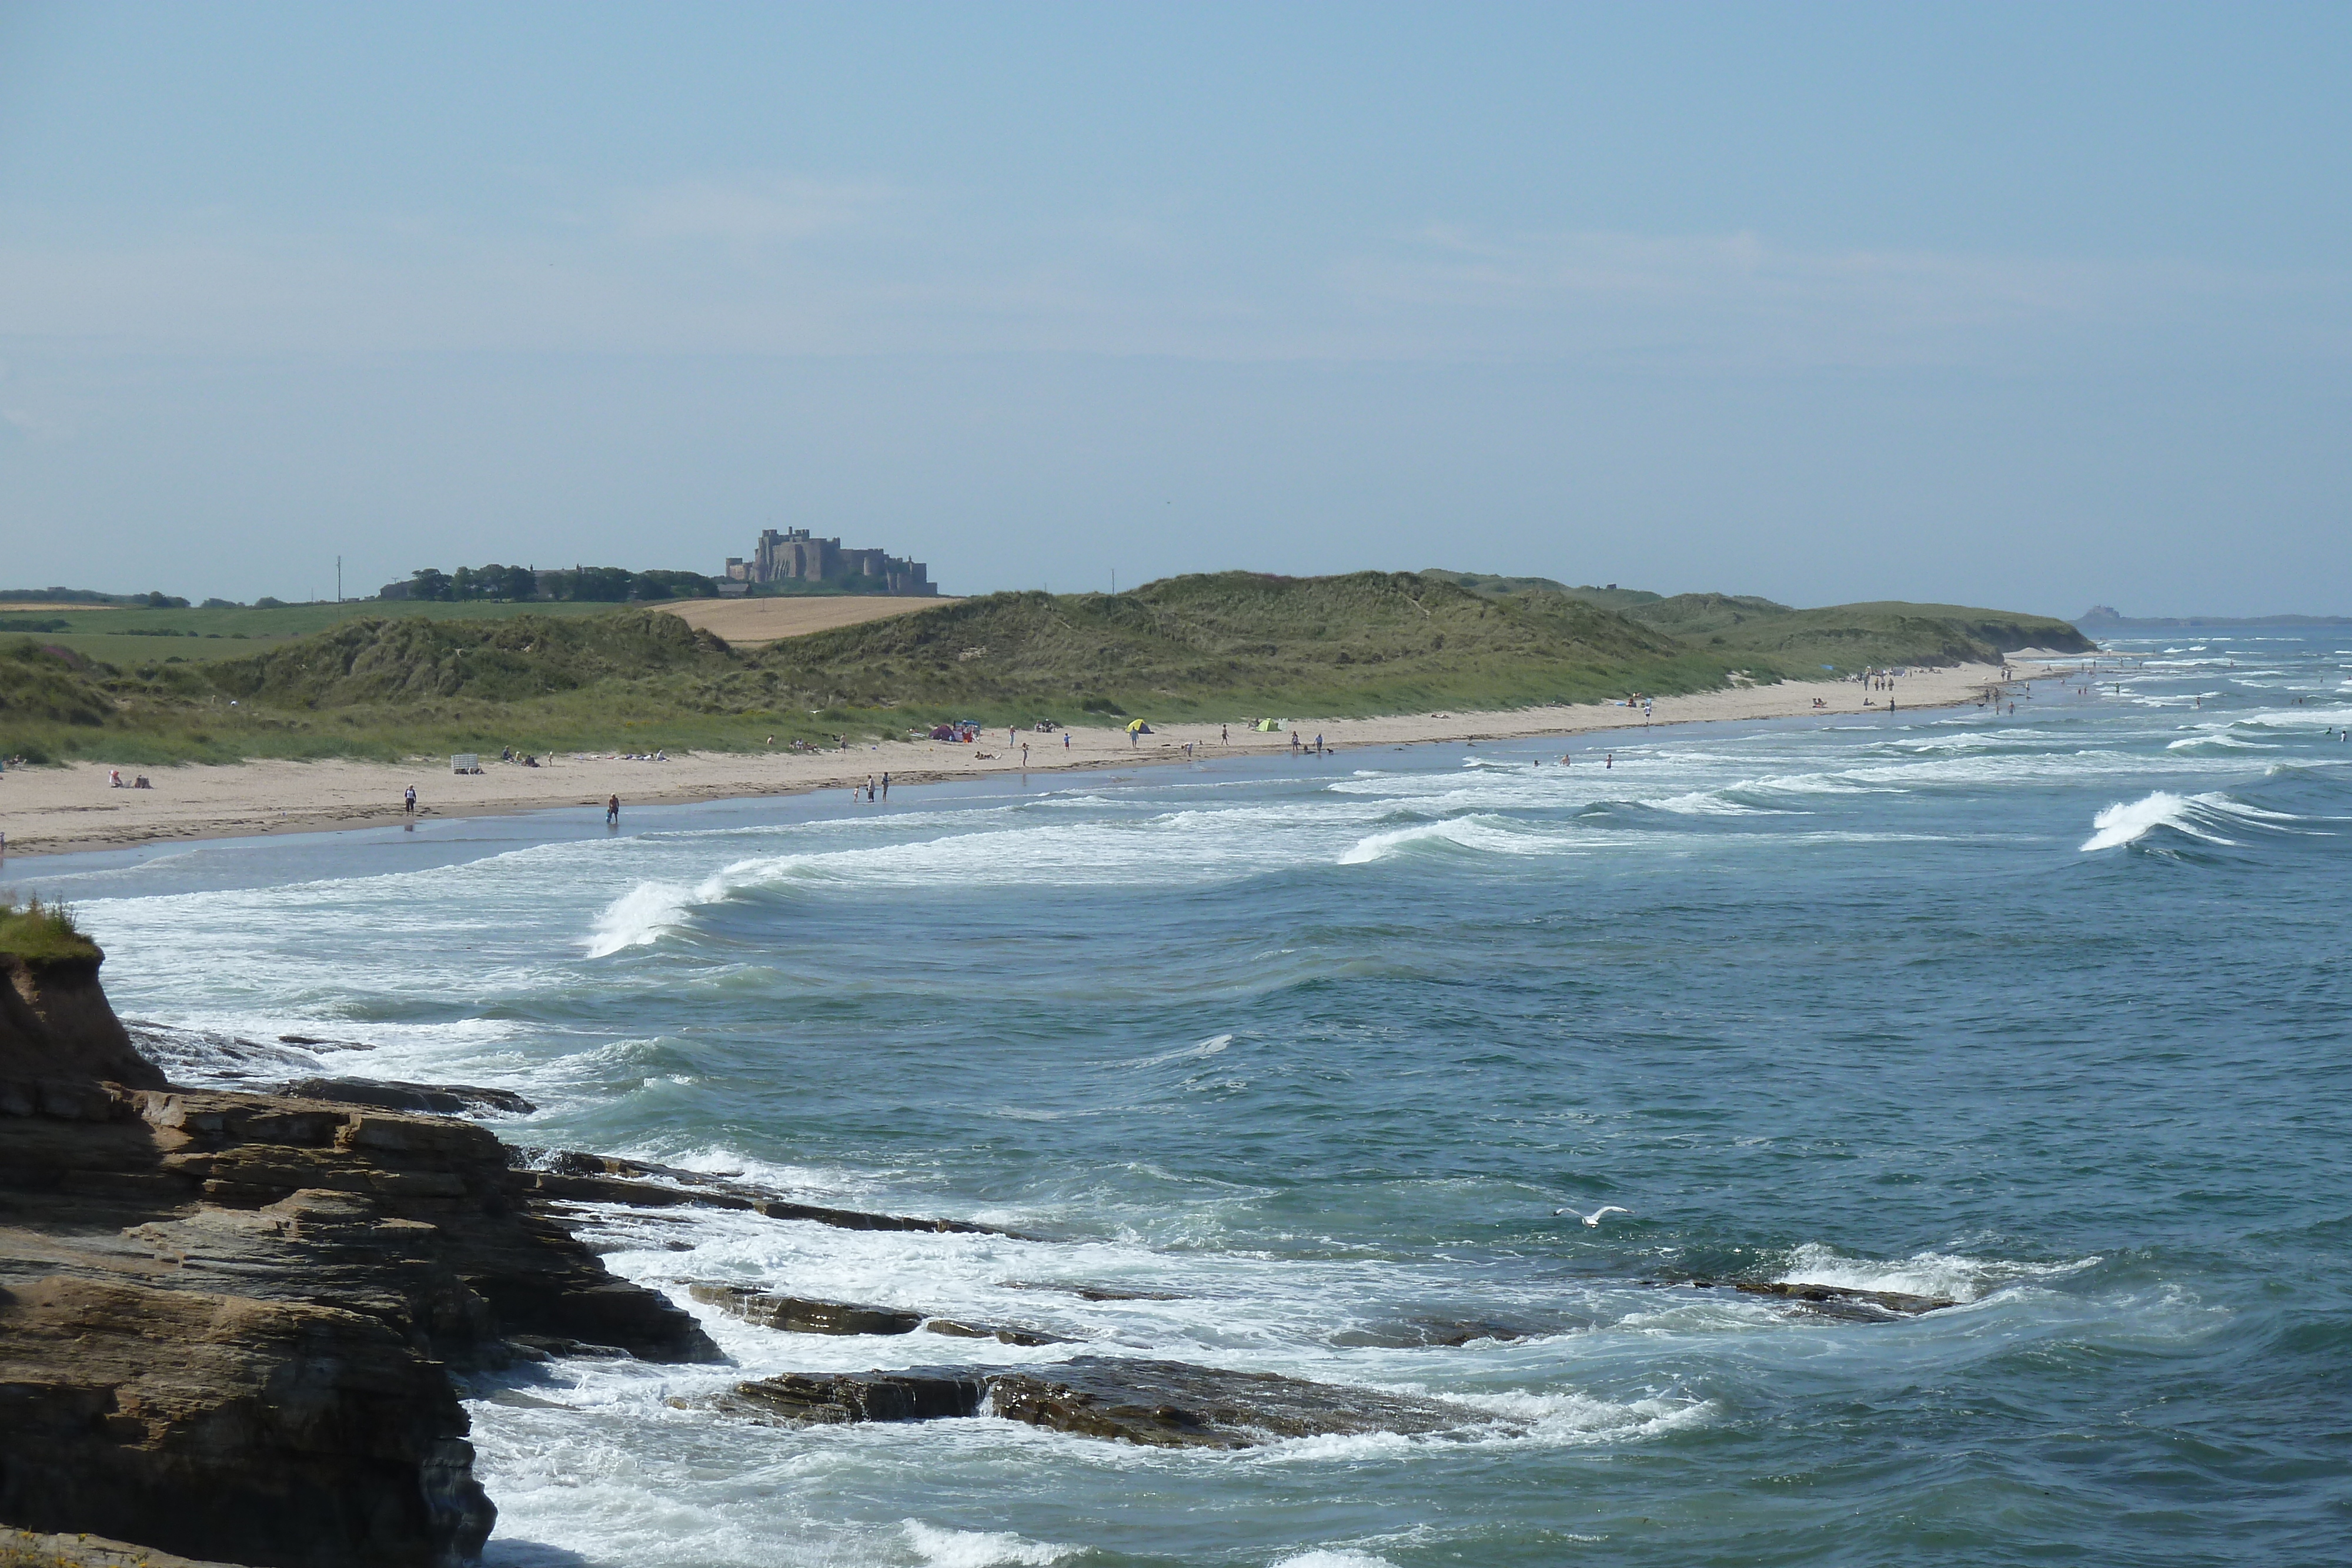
978,1547
1944,1274
1492,834
1333,1557
1215,1045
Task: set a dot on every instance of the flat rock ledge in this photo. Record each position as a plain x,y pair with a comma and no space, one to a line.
1843,1303
23,1549
801,1314
566,1175
1156,1404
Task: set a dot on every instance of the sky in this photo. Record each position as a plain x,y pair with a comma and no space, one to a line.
2031,306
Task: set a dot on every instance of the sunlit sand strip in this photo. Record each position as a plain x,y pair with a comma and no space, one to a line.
50,810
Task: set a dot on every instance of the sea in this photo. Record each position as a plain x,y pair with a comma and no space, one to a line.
1312,1064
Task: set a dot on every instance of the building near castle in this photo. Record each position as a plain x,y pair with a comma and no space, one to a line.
795,556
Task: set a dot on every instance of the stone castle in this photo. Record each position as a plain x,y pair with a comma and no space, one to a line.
795,557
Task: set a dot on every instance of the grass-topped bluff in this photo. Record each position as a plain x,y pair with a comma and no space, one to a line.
1225,646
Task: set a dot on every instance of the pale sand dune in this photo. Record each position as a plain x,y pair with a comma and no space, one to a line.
747,623
56,810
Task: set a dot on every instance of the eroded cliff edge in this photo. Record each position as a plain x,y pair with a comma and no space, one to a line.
227,1320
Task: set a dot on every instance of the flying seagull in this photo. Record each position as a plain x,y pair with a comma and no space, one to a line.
1594,1218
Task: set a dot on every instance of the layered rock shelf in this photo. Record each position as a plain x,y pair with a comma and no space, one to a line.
798,1314
1156,1404
227,1319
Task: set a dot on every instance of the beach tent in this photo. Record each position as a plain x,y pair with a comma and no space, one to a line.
1136,726
1271,725
944,732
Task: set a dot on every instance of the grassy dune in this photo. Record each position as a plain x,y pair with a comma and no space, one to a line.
1226,645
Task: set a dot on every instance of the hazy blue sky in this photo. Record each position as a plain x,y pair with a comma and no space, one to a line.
2029,305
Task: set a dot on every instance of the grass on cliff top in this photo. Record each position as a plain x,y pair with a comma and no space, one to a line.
41,931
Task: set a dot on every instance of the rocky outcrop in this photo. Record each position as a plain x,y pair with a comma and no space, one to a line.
30,1549
799,1314
55,1026
1156,1404
221,1426
227,1318
1843,1303
435,1099
566,1175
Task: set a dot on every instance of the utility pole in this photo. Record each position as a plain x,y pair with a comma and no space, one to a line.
339,579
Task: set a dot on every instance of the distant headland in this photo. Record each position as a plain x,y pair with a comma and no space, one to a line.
2101,618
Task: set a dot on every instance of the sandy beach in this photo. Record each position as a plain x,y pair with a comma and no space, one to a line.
63,809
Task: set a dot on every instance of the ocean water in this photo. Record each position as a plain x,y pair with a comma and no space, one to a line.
2045,1013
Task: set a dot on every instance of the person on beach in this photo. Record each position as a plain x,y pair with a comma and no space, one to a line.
1610,761
1318,745
613,812
408,801
1225,735
1024,754
1065,740
885,785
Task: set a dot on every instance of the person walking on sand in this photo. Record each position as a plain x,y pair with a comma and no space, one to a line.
613,812
408,801
1225,735
1024,754
1065,740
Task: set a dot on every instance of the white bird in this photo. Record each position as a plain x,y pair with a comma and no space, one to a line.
1594,1218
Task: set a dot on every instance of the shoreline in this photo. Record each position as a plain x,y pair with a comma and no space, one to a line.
50,810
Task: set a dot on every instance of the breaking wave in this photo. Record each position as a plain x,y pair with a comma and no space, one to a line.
2199,817
1945,1274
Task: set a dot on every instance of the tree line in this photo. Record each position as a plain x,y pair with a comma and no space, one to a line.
593,584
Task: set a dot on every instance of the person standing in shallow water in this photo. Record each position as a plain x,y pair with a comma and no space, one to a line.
613,812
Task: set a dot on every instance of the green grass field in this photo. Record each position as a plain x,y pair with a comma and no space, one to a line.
130,637
391,681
